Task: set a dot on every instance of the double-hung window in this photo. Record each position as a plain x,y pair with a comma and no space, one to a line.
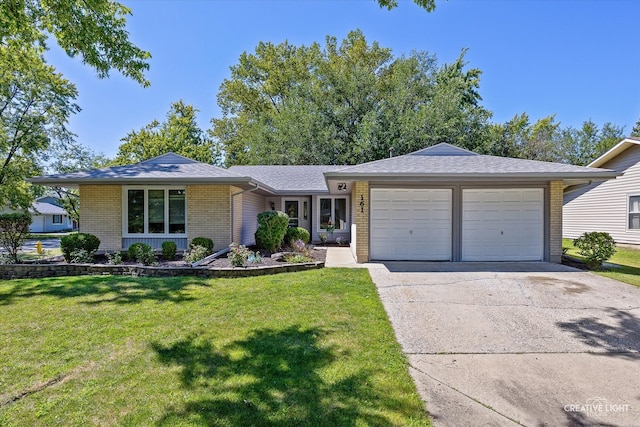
155,211
333,212
57,219
634,212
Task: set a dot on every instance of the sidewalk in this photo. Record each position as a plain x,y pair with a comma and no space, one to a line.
341,257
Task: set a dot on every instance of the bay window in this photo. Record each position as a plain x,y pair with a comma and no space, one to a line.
333,212
155,211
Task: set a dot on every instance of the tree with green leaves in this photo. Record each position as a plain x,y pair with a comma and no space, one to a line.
36,101
14,230
344,103
635,132
520,138
95,30
73,157
428,5
584,145
179,133
35,104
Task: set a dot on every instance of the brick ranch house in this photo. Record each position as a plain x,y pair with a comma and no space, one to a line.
442,203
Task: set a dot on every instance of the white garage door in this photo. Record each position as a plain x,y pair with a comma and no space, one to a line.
410,224
503,225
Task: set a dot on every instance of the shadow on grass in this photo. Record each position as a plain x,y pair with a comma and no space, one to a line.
270,378
618,335
100,289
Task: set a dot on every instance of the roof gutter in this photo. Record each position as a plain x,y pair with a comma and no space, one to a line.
487,176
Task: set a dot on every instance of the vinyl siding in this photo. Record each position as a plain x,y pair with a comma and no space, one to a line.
155,242
603,206
252,205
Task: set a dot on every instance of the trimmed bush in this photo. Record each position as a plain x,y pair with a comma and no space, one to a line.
169,250
205,242
79,241
14,231
272,226
296,233
596,247
142,253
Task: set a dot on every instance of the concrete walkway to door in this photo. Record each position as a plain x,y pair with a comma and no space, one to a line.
532,344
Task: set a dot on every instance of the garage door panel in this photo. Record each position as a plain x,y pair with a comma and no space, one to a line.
410,224
502,225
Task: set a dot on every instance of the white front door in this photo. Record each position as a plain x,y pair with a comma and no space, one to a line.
410,224
503,224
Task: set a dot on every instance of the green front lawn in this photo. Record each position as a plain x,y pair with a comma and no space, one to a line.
627,259
311,348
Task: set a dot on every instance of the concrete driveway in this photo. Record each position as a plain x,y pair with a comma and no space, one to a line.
535,344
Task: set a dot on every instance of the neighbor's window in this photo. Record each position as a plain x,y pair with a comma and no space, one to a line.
57,219
156,211
634,212
333,210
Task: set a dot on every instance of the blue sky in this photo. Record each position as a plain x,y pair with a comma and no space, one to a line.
577,59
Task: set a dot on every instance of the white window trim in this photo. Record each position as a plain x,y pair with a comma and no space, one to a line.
146,188
53,219
347,226
629,196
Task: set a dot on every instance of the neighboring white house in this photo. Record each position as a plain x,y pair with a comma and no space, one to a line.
49,217
610,206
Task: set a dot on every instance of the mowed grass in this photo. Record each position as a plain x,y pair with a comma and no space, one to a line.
310,348
626,259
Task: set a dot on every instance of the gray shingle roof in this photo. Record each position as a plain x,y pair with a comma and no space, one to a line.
44,208
289,179
168,168
446,161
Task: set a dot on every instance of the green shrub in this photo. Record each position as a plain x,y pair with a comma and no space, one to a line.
296,233
142,253
79,241
296,258
114,258
169,250
14,231
196,253
272,226
596,247
205,242
82,256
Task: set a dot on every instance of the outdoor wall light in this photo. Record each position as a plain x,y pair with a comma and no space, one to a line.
273,206
361,203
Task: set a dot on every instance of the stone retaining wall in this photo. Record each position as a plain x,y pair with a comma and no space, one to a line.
34,271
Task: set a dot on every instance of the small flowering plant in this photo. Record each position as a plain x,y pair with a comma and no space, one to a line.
330,228
238,254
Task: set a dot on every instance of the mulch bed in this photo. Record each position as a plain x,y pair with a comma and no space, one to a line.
316,254
574,262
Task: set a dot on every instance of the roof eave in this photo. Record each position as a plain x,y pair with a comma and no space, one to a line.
600,175
75,182
614,151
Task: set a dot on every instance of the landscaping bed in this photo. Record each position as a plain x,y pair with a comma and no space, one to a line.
220,267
